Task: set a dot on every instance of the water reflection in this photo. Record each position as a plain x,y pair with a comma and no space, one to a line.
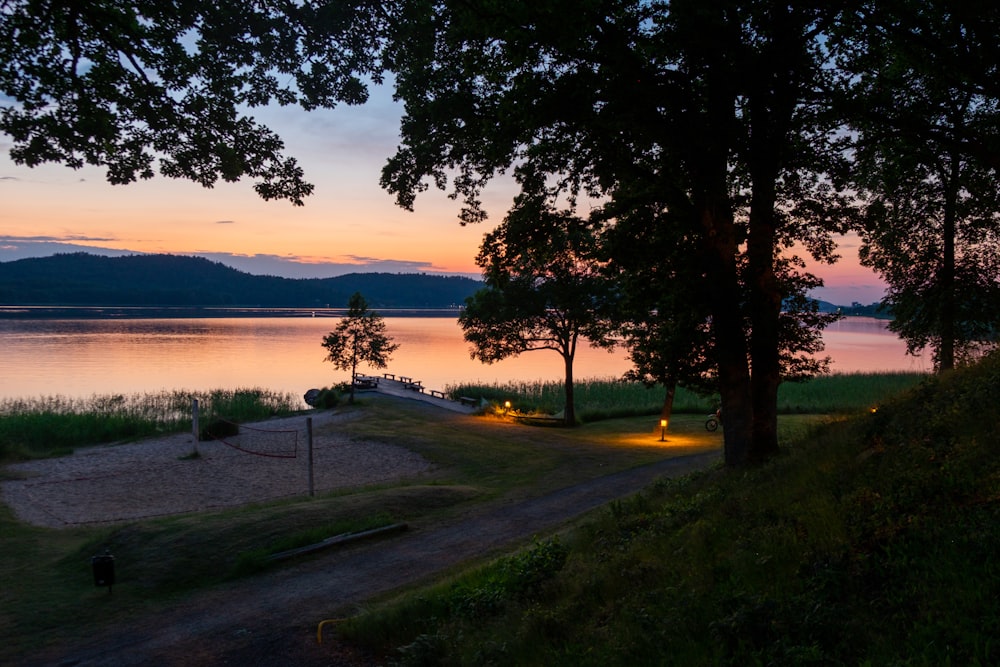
866,344
84,357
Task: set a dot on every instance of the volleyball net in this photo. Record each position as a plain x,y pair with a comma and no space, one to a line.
279,444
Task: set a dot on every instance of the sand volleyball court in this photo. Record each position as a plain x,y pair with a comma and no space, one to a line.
158,477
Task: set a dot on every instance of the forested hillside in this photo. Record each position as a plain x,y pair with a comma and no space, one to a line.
82,279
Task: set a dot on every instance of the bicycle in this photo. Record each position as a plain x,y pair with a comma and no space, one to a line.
713,421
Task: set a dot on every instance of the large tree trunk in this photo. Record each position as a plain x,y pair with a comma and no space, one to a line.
730,342
773,99
765,307
734,386
946,346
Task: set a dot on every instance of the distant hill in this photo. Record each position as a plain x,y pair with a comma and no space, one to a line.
83,279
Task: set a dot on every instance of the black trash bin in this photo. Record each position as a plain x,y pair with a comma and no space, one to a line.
104,570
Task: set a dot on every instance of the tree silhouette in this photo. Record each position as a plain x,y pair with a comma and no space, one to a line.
544,290
359,338
927,112
127,84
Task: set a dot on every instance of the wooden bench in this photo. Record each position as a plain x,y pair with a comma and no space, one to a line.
414,386
468,400
437,394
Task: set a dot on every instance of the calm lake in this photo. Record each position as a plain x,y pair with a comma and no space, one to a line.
82,357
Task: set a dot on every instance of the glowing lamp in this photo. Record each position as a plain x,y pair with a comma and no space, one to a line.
663,429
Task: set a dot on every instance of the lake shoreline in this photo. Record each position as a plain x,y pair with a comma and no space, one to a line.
18,312
196,312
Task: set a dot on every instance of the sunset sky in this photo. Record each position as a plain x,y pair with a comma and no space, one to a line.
349,224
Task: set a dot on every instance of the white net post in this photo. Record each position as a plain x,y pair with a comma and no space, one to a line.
194,423
309,440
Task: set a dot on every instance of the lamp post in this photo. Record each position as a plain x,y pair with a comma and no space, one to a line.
663,430
506,407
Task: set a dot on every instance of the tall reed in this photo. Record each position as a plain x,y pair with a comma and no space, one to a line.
605,398
52,425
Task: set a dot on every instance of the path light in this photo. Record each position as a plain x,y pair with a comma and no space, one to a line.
506,407
663,429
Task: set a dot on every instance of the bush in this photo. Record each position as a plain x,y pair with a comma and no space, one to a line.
328,398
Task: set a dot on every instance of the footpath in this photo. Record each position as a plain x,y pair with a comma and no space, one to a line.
272,619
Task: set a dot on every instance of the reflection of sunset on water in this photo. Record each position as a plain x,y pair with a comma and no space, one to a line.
866,344
84,357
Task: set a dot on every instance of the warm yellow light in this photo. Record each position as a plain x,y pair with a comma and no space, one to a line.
663,423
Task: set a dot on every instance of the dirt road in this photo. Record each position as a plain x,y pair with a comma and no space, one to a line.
272,619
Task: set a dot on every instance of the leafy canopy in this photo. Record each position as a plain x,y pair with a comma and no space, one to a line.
136,85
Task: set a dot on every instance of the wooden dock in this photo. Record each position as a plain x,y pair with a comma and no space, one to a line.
407,387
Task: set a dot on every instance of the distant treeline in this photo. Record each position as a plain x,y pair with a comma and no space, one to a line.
82,279
857,310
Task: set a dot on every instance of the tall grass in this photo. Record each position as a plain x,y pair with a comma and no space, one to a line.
44,426
594,399
608,398
843,392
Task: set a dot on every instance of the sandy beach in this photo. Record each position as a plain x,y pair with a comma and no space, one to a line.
158,477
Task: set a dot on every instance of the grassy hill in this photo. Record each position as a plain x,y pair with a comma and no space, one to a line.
871,542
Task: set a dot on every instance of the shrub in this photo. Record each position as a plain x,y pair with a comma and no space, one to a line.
328,398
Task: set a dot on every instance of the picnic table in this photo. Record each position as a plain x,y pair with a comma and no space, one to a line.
365,382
